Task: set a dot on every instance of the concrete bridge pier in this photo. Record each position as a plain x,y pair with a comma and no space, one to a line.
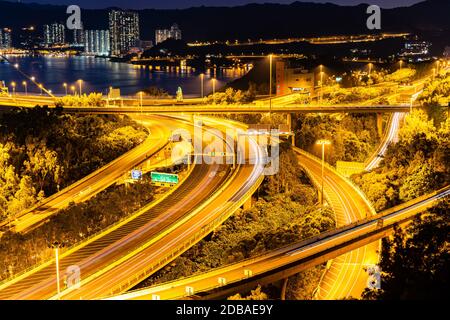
380,124
289,123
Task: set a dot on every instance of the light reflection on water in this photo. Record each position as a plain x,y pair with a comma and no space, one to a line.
99,74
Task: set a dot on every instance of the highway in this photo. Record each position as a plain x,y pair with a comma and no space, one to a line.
390,137
241,109
97,181
185,108
289,260
336,283
121,255
345,276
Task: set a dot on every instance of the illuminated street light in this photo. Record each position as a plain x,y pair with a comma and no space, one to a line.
56,246
202,77
72,88
25,85
321,82
323,143
65,87
16,66
270,84
80,82
13,85
214,90
370,71
41,87
401,64
141,100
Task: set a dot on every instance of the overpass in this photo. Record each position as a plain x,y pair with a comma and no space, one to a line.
290,260
123,255
94,183
228,109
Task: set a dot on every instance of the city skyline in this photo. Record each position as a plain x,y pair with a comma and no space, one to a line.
264,153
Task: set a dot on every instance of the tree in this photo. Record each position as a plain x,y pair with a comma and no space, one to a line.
415,262
43,165
256,294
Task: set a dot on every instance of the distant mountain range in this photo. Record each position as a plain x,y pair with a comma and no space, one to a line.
430,19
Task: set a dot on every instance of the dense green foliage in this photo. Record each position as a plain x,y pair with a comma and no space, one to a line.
256,294
416,165
231,96
71,225
91,100
285,212
353,137
303,285
357,94
415,262
436,92
42,151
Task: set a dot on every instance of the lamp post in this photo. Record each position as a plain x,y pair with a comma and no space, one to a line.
80,82
202,78
370,72
323,143
401,64
321,82
65,87
41,87
141,102
56,246
214,90
25,85
270,83
13,85
72,88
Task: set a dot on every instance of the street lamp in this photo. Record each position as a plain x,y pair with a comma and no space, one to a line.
72,88
202,77
323,143
370,71
214,90
13,85
65,87
41,87
24,83
270,83
140,100
321,82
401,64
80,82
56,246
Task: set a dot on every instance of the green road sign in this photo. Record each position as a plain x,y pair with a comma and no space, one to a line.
158,177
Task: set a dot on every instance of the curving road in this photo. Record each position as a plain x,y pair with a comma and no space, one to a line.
289,260
346,276
120,255
96,182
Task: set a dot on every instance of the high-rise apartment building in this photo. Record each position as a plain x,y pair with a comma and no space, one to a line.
97,42
123,31
54,33
5,38
78,36
162,35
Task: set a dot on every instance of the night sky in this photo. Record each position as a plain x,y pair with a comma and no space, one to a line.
170,4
